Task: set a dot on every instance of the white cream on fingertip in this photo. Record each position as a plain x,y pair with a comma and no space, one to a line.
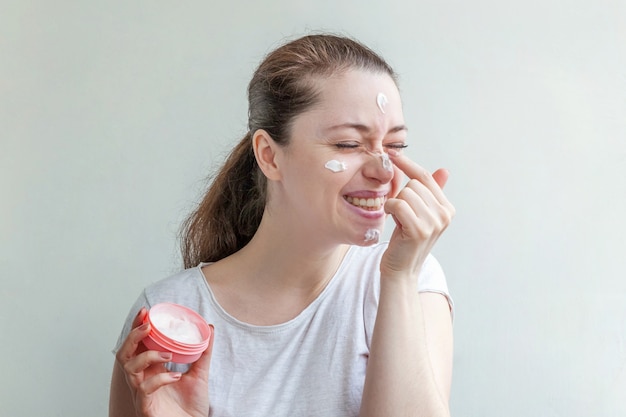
336,166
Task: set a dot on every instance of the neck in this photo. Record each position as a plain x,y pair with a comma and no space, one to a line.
280,255
275,276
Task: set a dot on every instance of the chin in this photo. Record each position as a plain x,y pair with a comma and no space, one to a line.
369,237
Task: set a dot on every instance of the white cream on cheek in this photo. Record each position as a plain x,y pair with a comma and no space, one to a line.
180,329
336,166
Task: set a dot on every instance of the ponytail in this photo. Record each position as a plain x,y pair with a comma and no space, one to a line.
230,212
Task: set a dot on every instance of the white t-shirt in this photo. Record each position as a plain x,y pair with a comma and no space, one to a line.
312,365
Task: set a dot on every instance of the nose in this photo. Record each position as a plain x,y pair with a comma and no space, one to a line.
378,167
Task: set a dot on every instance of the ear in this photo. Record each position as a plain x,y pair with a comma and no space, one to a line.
267,153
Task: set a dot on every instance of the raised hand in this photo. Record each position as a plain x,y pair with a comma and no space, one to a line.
154,390
421,212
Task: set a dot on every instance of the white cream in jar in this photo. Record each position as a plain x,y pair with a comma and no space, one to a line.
177,328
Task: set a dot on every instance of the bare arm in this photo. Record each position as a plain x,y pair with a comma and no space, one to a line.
439,340
410,364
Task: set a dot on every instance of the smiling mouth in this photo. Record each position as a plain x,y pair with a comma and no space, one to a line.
371,204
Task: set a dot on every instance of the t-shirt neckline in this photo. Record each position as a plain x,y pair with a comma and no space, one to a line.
303,315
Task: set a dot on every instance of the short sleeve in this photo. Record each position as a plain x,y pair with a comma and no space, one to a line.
433,279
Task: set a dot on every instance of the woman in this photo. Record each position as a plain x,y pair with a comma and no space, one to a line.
312,315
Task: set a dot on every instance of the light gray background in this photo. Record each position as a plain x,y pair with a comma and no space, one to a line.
112,114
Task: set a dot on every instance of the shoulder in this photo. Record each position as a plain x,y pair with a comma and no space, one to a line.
368,258
186,287
365,262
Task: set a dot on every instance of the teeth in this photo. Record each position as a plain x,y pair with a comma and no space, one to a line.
369,203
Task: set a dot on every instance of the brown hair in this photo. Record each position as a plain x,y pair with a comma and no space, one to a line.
281,88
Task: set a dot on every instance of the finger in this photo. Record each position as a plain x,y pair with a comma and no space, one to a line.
140,317
441,177
425,204
415,171
415,214
418,193
131,345
150,385
409,167
422,211
136,366
202,366
400,211
139,331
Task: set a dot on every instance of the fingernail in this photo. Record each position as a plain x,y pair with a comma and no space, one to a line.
176,375
166,355
143,327
393,152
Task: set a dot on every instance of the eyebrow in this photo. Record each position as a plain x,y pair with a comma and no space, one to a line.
363,128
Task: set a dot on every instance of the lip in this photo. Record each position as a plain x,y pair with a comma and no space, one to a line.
367,194
368,214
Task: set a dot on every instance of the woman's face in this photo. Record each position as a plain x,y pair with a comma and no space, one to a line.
334,177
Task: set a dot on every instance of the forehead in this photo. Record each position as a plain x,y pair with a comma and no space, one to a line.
354,96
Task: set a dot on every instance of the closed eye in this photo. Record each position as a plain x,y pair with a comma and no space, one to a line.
347,145
396,146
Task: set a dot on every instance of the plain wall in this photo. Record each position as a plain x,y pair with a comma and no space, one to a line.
113,113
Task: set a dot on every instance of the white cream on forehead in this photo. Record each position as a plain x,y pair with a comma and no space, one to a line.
372,235
336,166
180,329
382,102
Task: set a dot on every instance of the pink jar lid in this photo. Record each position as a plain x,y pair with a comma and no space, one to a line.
177,329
